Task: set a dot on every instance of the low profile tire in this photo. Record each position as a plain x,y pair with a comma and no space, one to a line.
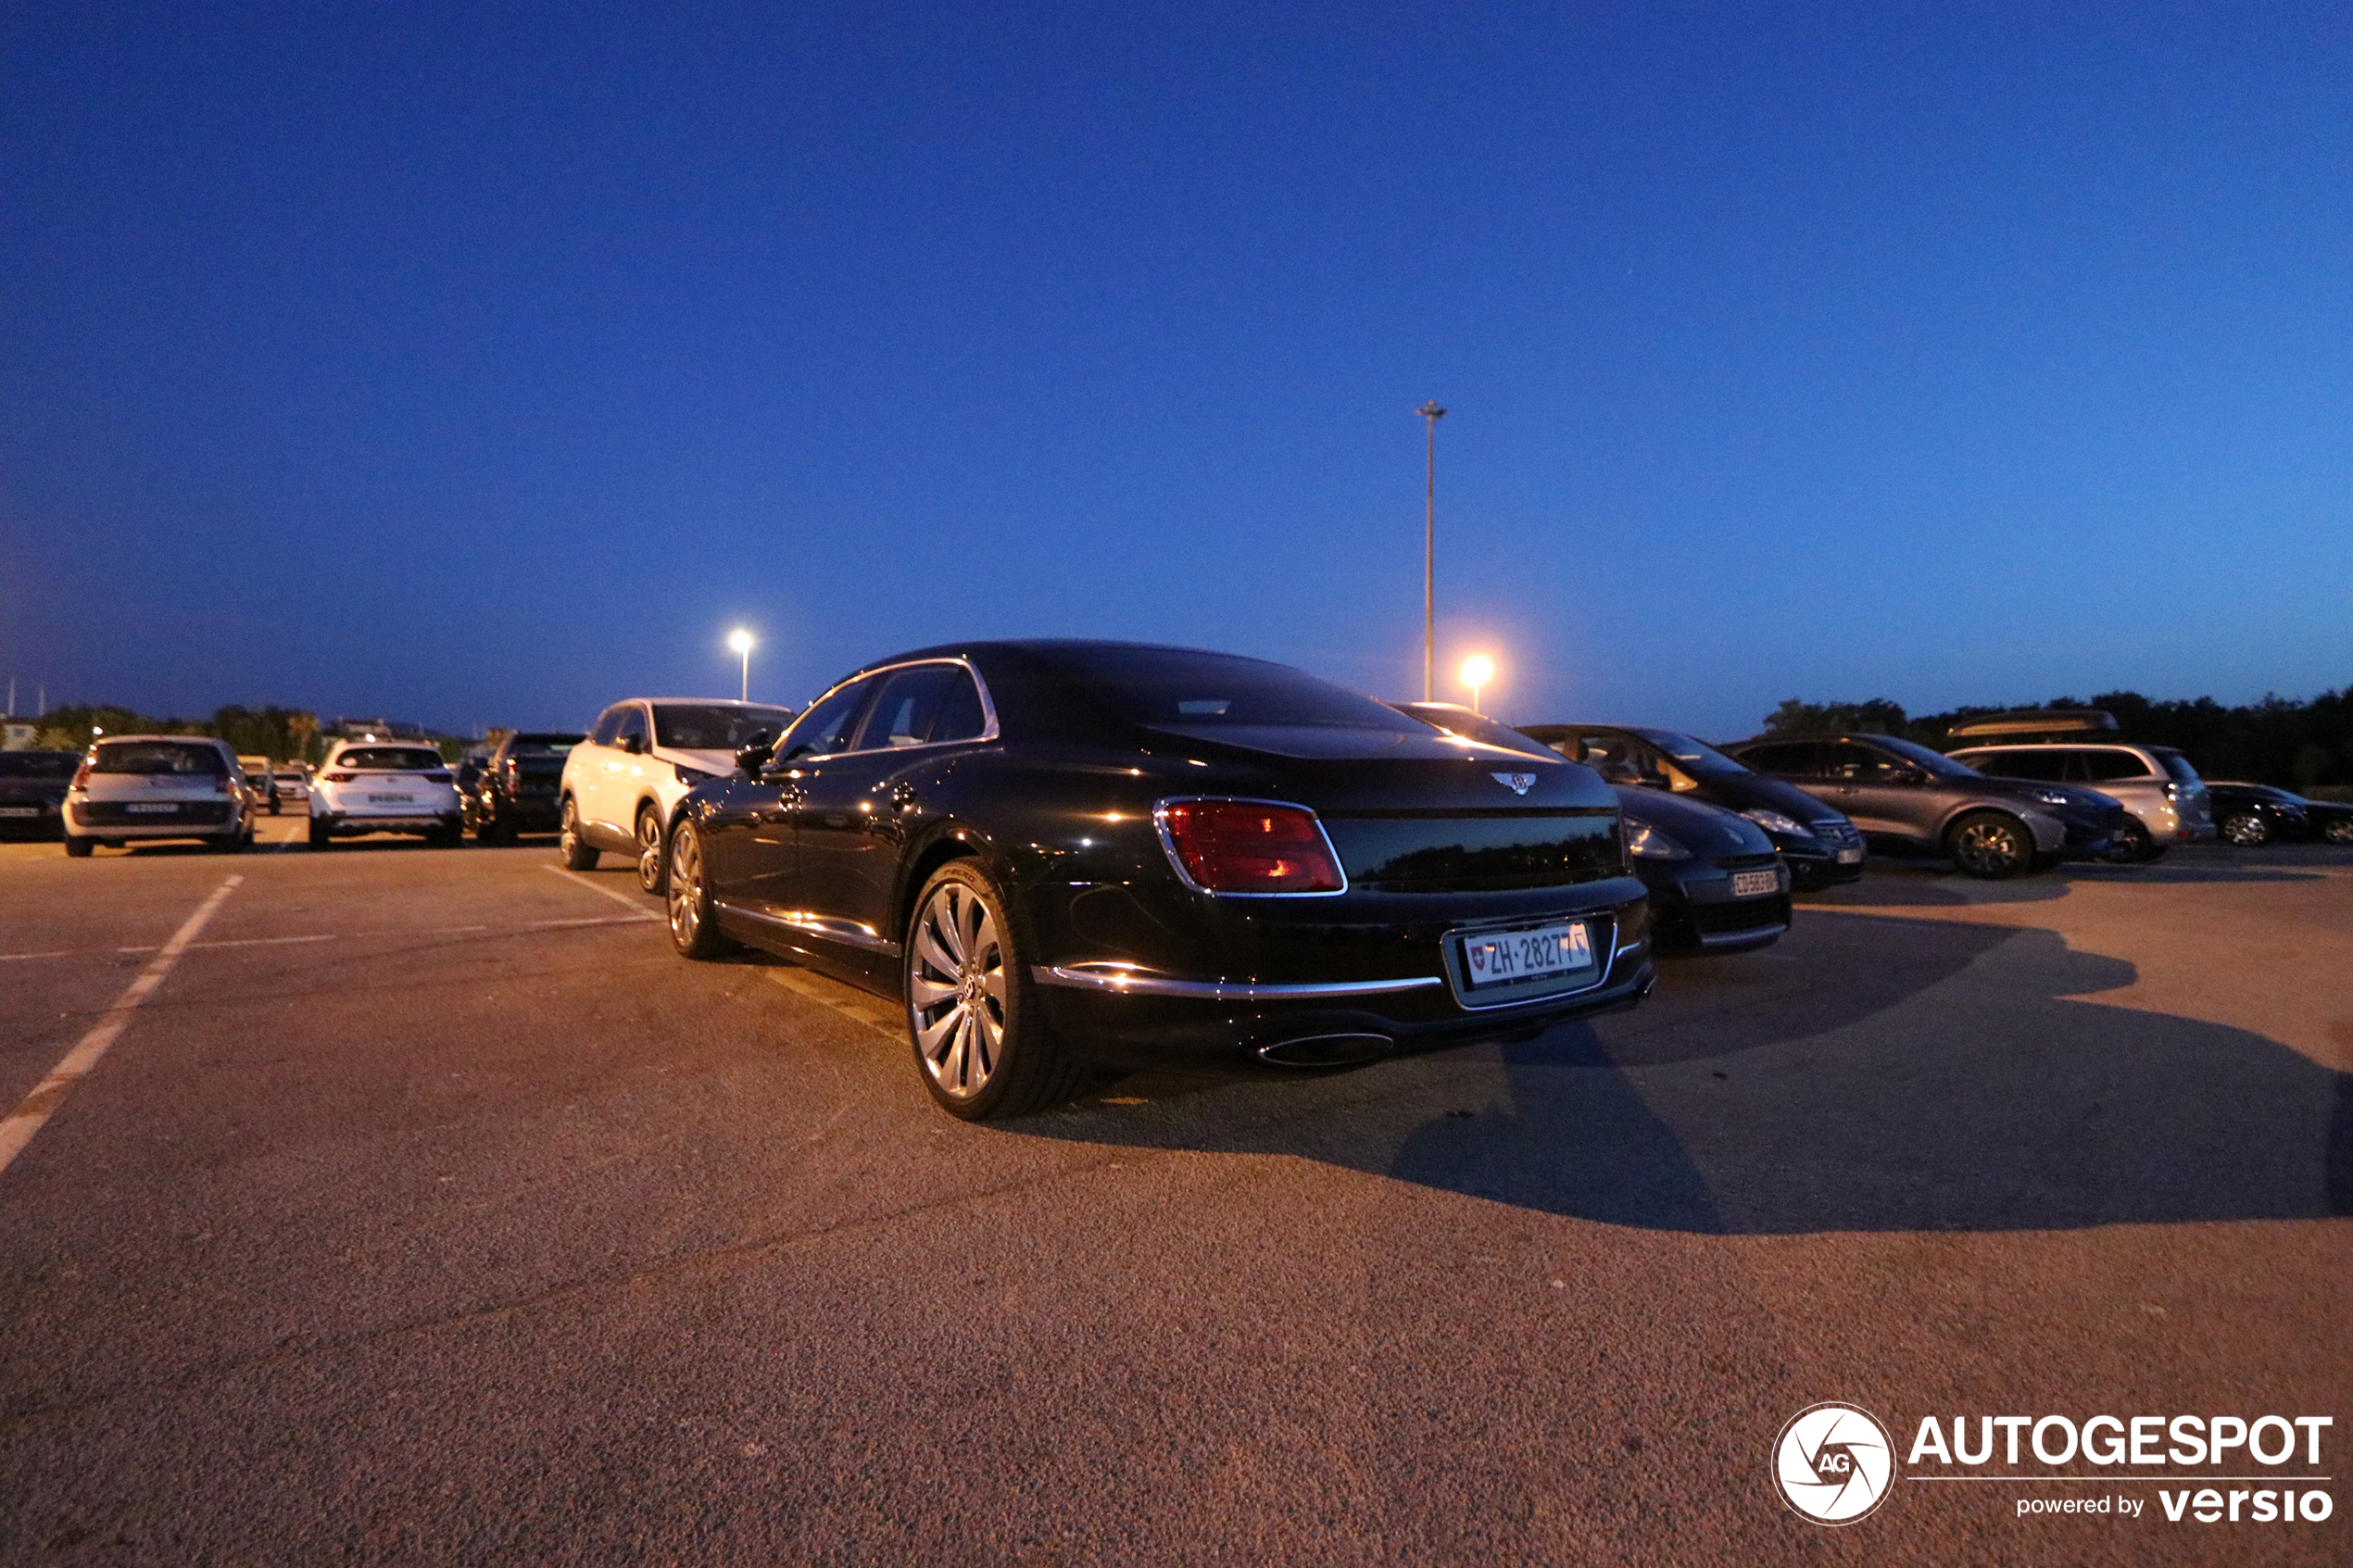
650,859
693,915
2246,830
449,837
502,830
1991,845
579,856
2339,832
980,1041
79,848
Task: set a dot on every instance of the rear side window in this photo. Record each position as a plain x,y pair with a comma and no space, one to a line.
1861,764
919,705
2103,765
1792,759
2175,764
155,756
391,759
2044,767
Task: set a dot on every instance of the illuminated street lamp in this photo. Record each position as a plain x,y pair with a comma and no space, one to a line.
740,641
1478,669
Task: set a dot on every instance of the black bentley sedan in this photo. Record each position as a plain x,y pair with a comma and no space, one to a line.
1060,855
1716,880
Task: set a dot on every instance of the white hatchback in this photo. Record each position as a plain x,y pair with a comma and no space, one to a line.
139,787
383,786
623,782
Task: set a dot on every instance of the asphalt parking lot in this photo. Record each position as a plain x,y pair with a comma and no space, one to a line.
430,1210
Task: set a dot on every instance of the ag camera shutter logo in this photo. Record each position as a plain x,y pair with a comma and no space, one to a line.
1835,1462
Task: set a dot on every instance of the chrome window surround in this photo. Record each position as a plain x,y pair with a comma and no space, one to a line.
1168,845
988,731
1128,979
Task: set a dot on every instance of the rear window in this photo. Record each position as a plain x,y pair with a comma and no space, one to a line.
38,764
391,759
2175,764
1178,689
541,745
156,756
1695,754
694,726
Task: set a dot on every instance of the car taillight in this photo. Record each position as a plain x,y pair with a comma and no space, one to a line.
80,777
341,778
1244,846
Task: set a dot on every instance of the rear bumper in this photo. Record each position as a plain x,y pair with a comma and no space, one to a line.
193,818
339,825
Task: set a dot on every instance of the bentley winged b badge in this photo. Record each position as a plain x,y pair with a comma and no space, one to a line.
1518,783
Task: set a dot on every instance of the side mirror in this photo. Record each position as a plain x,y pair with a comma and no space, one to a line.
755,752
633,744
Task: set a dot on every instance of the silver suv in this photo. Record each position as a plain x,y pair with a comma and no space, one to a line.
2156,783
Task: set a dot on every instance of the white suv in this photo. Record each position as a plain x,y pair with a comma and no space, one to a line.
643,755
383,786
158,786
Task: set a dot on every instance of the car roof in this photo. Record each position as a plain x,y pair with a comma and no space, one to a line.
2101,742
213,740
701,701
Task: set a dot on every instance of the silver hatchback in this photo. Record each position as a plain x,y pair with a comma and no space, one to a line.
2156,783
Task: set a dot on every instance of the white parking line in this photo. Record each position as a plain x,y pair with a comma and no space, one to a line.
34,1110
613,893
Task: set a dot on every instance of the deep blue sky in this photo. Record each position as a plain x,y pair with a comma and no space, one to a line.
482,363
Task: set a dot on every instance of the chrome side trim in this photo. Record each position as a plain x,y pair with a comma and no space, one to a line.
1129,980
848,933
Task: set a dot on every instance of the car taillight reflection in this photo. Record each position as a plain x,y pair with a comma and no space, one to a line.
1247,847
341,778
80,777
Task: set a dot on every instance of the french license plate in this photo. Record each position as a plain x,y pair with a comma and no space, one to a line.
390,800
1849,857
1748,884
1500,957
19,810
152,808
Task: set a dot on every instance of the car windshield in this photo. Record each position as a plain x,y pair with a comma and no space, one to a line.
542,746
711,726
155,756
38,764
1697,757
2174,764
1182,688
1938,765
391,759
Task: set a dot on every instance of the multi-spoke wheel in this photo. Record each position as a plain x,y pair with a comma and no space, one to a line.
694,925
2339,830
2136,846
650,856
578,853
969,1010
2245,828
1990,845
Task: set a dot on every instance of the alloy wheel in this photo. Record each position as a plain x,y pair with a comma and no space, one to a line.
2340,831
956,990
649,851
2247,829
686,889
1988,847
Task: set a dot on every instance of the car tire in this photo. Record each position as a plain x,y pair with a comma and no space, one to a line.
2245,829
79,848
1991,845
652,857
2140,846
694,912
502,829
319,837
2340,831
578,853
233,843
448,838
979,1039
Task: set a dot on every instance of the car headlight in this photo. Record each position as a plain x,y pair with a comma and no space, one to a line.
2053,797
1773,821
1647,843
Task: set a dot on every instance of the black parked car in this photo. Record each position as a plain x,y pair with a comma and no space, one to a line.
32,791
1821,847
1716,883
513,790
1062,853
2253,813
1905,797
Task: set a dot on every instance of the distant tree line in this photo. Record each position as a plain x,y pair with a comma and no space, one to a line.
2299,745
280,733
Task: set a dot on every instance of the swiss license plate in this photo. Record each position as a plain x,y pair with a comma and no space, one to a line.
152,808
1848,856
1748,884
19,810
1499,958
390,800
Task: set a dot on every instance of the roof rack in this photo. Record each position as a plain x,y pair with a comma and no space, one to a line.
2036,721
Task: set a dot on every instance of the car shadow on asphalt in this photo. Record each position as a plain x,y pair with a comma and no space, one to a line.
1886,1075
1926,884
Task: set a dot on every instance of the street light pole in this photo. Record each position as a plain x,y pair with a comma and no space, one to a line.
1431,413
